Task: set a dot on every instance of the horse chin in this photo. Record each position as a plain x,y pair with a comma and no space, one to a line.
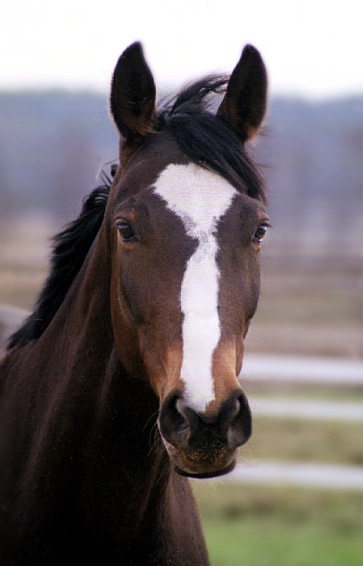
206,475
191,464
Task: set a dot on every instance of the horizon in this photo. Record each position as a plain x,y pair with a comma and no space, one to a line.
171,89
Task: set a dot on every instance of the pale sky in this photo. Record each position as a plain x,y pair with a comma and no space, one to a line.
312,48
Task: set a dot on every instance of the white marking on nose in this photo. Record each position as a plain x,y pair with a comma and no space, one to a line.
200,198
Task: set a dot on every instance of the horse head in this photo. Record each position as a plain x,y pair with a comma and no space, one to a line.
185,221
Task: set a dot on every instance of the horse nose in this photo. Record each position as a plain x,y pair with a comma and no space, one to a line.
231,425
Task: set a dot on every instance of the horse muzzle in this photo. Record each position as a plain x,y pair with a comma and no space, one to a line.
201,445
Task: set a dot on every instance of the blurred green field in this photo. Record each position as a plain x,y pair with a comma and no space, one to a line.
262,525
271,526
305,441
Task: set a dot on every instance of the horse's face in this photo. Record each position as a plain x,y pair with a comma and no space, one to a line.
185,285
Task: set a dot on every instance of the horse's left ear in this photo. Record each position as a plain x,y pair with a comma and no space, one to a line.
133,94
244,105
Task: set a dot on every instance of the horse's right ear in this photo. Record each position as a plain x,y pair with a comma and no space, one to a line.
133,95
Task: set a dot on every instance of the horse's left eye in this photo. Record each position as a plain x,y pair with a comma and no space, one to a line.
126,230
260,232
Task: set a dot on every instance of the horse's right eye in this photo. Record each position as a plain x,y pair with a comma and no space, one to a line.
126,230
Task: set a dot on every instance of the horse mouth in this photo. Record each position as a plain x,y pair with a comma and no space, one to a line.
205,475
194,462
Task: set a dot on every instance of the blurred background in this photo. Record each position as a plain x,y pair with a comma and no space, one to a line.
296,497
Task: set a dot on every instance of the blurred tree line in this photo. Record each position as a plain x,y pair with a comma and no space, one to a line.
54,144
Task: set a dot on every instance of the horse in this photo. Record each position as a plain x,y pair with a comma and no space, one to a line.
123,382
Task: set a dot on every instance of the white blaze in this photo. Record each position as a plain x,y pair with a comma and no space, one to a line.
200,198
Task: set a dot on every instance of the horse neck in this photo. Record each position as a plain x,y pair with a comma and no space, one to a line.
87,362
105,419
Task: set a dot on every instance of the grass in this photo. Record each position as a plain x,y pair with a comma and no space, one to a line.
285,527
308,441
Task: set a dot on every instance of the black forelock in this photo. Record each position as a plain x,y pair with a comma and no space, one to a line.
205,138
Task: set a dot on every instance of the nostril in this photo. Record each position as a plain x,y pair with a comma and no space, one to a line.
235,410
240,423
173,423
229,412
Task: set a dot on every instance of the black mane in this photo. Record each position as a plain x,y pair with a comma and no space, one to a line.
70,249
204,137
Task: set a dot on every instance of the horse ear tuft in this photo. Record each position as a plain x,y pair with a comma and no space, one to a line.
244,105
133,94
